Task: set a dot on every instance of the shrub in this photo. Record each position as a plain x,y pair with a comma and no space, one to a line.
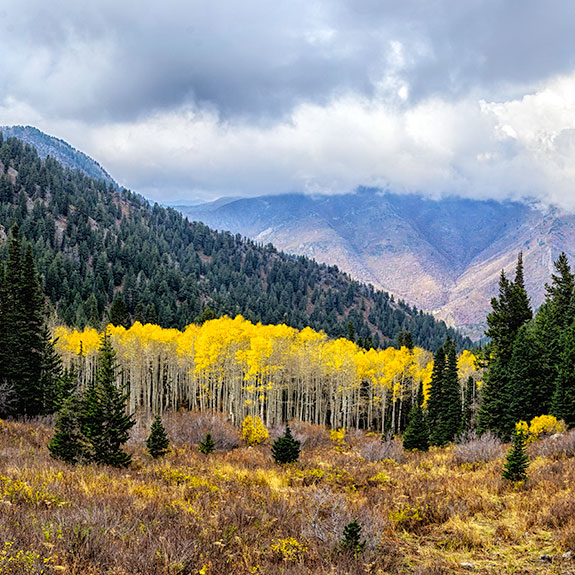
379,450
545,425
473,449
254,431
555,447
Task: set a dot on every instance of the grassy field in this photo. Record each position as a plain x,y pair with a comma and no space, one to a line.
236,512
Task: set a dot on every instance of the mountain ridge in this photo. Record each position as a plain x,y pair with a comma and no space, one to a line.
442,255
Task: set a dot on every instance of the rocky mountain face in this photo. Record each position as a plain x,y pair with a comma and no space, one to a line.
443,255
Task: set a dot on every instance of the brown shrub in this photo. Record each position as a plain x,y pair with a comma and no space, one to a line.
554,447
475,449
372,449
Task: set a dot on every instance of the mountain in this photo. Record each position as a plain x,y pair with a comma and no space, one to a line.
441,255
58,149
96,245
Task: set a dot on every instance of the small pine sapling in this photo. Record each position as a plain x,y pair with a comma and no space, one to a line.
517,461
286,449
416,436
207,445
158,442
351,541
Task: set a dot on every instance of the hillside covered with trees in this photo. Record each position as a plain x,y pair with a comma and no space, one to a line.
95,246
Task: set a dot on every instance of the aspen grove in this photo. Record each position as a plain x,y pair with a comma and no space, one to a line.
275,372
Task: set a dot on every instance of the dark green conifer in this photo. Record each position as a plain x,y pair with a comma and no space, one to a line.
351,541
208,445
416,436
517,461
105,421
435,394
68,443
286,449
469,395
563,405
158,443
119,313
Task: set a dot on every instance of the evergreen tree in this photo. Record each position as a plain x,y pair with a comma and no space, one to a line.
68,443
450,419
563,404
119,313
158,443
434,404
530,392
416,435
105,422
517,461
208,445
286,449
509,313
351,541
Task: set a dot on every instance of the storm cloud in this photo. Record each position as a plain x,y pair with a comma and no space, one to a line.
193,99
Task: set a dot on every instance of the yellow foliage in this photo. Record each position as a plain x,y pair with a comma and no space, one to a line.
290,549
545,425
338,437
253,430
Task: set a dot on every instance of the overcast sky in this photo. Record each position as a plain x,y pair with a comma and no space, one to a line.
197,99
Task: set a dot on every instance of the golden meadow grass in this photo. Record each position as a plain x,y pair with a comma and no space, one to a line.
236,512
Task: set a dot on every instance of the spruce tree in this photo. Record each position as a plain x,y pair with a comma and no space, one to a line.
450,420
351,541
68,443
509,313
517,461
158,443
416,436
563,404
105,421
434,404
286,449
208,445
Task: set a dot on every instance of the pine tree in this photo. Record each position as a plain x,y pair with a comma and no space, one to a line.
530,392
434,403
286,449
68,444
450,419
416,436
351,541
158,443
563,404
517,461
509,313
119,315
208,445
104,421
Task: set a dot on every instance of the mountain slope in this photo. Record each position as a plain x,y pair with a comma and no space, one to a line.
93,244
58,149
442,255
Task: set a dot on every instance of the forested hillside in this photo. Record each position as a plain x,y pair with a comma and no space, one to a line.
100,251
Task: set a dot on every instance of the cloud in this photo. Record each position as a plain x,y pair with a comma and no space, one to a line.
189,98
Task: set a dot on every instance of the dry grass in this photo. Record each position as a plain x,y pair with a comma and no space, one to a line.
236,512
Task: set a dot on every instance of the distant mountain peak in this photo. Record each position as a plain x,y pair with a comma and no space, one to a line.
60,150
